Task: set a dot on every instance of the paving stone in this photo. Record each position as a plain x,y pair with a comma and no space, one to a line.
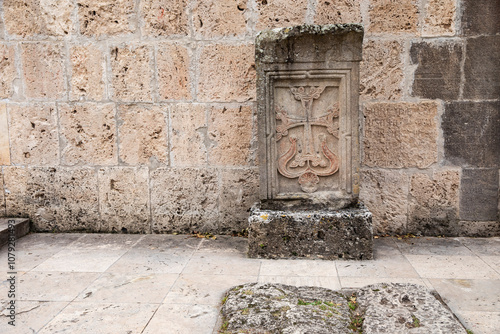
80,261
178,318
482,246
480,322
479,194
218,18
395,267
298,268
222,264
163,242
174,81
105,241
106,17
147,261
4,137
479,17
8,70
224,243
279,14
390,17
164,17
87,73
47,241
433,246
337,11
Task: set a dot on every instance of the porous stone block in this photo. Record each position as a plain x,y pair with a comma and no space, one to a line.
87,73
189,137
470,131
400,135
476,229
337,11
132,73
17,198
88,134
393,17
381,71
124,199
440,16
33,134
174,82
480,17
4,136
280,13
479,195
7,70
106,17
330,235
143,133
385,194
218,18
164,17
438,72
230,132
184,200
43,70
227,73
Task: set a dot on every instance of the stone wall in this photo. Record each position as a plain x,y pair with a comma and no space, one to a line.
139,116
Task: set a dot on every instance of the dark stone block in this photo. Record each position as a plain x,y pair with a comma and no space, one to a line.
482,68
438,73
480,17
20,227
471,133
433,221
479,194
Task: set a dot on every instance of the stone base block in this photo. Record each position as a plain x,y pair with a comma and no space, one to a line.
330,235
21,228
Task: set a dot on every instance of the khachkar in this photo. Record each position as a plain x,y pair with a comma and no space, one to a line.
307,93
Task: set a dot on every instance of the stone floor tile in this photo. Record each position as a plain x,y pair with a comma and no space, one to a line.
153,261
348,282
298,268
480,322
459,267
493,262
106,241
395,267
26,260
432,246
167,241
482,246
224,243
45,241
222,264
385,247
181,319
328,282
81,260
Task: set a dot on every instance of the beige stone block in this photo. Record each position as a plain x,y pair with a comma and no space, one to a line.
17,197
172,61
124,199
184,200
230,131
33,134
381,70
227,73
106,17
189,136
217,18
88,134
56,16
385,193
439,18
280,13
43,70
3,212
164,17
337,11
132,73
87,73
4,136
143,133
400,134
392,17
7,70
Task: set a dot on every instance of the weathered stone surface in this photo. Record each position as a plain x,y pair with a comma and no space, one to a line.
7,70
132,73
164,17
280,13
4,136
227,73
189,137
479,229
143,133
480,17
438,72
385,194
393,17
87,73
482,68
479,194
343,234
106,17
218,18
433,208
381,70
33,134
470,131
439,18
174,82
43,70
124,199
88,134
17,198
400,134
230,133
184,200
337,11
3,210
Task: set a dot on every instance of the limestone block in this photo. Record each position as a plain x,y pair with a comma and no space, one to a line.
337,11
227,73
400,134
480,17
217,18
7,70
439,18
381,70
43,67
392,17
479,229
88,133
56,16
230,131
106,17
184,200
385,194
189,137
33,134
87,73
132,73
172,61
164,17
124,199
280,13
479,195
143,133
4,136
17,197
3,212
